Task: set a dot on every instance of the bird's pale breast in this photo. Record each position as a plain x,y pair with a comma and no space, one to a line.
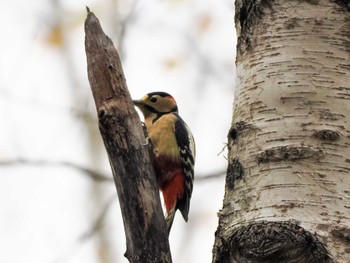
163,137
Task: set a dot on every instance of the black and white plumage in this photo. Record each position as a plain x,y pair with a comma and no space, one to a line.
173,151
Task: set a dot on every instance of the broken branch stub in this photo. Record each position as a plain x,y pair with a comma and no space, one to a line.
123,137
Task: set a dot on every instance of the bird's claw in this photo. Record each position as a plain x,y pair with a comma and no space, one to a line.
146,143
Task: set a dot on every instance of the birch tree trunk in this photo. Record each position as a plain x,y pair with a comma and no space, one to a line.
287,194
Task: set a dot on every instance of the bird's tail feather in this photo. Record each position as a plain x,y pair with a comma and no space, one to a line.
169,219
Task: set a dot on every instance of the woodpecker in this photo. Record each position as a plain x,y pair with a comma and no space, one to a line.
173,154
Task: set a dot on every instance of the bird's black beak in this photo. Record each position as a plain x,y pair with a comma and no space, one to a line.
137,102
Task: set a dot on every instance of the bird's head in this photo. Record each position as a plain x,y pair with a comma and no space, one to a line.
156,103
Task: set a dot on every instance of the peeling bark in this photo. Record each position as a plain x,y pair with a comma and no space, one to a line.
290,135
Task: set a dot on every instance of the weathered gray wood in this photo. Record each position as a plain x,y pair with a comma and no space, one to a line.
124,140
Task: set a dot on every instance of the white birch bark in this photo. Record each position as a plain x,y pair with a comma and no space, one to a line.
289,145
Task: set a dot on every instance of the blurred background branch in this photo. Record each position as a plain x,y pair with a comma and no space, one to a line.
56,188
94,175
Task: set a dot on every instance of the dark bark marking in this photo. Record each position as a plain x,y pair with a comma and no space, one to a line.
342,233
288,153
326,135
312,2
235,171
330,116
344,4
248,13
101,115
232,134
272,242
292,23
237,129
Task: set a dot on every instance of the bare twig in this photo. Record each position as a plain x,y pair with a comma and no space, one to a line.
96,226
96,176
123,25
205,177
88,234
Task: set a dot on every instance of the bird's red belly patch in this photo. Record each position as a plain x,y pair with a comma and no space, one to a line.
173,190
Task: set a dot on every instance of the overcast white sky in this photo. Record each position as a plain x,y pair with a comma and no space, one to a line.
183,47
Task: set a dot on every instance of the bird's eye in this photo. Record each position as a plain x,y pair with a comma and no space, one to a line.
153,99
